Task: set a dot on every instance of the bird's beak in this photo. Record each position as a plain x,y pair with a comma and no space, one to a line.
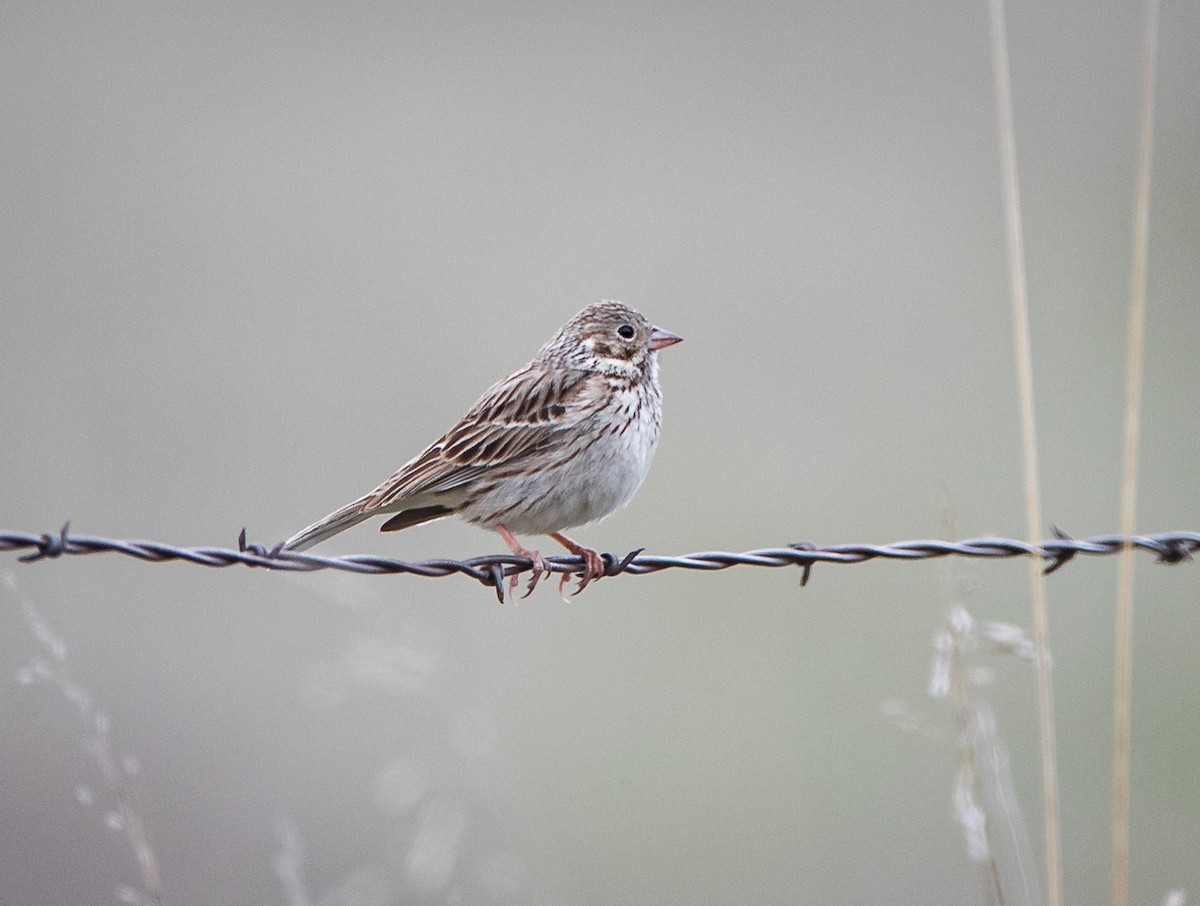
661,339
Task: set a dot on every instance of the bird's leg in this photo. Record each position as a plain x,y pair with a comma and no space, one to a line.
593,563
540,565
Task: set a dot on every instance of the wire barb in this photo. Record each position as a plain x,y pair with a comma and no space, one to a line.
50,546
492,569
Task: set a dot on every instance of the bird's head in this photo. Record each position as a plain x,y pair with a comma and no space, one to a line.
610,337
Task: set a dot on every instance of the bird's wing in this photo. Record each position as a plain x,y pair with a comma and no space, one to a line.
518,417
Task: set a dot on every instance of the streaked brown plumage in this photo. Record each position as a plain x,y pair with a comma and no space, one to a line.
559,443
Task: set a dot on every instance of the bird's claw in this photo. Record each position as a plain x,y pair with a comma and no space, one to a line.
593,568
593,563
538,567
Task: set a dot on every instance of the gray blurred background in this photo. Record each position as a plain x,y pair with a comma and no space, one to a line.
256,255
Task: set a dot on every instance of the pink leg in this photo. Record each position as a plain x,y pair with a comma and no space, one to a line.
539,563
593,563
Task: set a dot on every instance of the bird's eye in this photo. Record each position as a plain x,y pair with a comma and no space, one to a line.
626,331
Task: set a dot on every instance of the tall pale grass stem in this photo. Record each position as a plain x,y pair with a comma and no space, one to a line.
1123,643
1033,507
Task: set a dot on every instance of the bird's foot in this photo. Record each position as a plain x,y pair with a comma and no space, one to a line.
539,566
593,563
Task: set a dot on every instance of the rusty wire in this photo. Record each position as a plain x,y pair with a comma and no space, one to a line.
491,570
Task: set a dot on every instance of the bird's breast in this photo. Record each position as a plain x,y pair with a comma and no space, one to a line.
593,468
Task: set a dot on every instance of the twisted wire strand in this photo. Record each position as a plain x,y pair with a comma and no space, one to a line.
492,569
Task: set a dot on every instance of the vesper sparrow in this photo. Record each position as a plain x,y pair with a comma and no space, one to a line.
559,443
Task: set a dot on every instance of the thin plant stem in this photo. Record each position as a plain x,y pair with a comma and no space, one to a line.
1033,508
1123,645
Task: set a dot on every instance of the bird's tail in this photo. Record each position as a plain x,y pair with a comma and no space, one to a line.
337,521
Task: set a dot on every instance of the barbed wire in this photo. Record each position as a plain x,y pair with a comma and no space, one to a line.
491,570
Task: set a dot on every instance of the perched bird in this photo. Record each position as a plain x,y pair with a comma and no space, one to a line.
559,443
